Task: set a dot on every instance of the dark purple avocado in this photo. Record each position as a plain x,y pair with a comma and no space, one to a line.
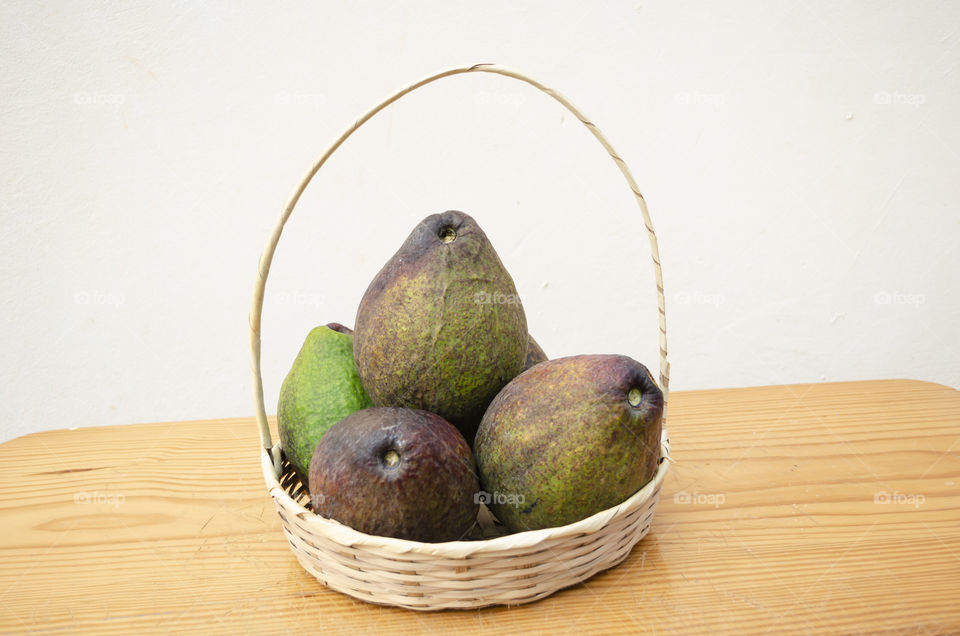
441,327
396,472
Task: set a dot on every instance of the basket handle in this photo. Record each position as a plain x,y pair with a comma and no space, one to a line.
263,269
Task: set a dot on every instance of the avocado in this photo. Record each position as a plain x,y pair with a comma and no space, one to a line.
441,326
321,388
535,354
568,438
396,472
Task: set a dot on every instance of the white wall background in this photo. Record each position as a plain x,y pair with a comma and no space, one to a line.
800,160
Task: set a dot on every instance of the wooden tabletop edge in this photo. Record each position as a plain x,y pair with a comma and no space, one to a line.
252,419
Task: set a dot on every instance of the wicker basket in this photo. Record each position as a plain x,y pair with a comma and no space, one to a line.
504,570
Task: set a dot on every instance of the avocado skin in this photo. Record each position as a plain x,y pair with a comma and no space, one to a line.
430,495
321,388
535,354
563,438
440,327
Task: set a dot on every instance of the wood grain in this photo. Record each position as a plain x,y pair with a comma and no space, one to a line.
824,508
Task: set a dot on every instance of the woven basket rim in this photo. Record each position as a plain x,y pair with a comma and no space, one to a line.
347,536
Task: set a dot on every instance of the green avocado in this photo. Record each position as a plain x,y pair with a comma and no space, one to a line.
568,438
321,389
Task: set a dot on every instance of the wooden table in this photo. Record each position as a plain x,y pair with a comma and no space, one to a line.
821,508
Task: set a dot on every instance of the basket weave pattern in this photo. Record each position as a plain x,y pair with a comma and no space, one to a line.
505,570
463,574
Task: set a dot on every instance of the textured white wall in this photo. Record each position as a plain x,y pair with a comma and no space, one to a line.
800,160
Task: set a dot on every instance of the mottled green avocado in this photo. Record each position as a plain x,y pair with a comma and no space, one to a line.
568,438
441,327
396,472
535,354
321,389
